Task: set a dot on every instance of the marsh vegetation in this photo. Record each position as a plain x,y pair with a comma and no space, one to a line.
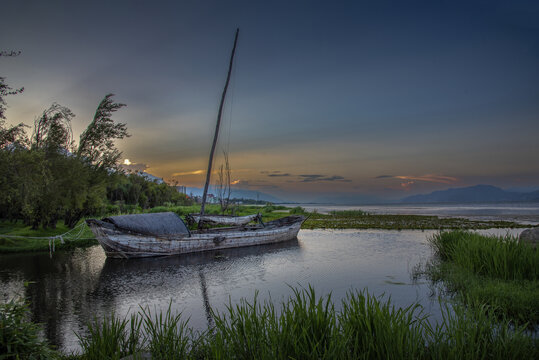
304,326
499,272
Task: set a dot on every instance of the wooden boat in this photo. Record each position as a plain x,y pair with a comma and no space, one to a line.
222,219
161,234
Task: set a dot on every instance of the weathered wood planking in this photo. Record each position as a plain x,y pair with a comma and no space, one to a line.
224,219
123,244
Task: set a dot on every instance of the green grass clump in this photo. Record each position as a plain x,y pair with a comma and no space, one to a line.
167,335
305,329
502,257
111,338
19,337
298,210
306,326
377,330
498,271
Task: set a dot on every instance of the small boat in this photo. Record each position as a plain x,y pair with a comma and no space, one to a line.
162,234
222,219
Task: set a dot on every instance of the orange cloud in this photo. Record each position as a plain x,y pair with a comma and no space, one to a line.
196,172
407,185
429,178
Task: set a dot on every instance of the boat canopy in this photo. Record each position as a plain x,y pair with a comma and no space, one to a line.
165,223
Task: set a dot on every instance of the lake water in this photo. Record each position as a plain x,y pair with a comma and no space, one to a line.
524,213
71,288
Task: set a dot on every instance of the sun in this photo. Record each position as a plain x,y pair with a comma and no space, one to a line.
127,162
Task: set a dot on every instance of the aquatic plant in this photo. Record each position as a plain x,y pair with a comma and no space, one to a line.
502,257
19,337
498,271
307,326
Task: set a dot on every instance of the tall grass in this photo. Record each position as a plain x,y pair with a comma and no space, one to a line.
373,329
502,257
19,337
167,334
112,338
476,333
306,326
498,271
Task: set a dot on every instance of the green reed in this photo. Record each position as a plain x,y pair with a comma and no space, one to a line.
306,326
112,337
497,271
501,257
19,337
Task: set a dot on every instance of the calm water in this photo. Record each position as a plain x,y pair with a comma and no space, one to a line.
73,287
525,213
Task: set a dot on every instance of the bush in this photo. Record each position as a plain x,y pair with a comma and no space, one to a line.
298,210
19,337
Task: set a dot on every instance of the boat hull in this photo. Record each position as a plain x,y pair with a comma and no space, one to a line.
121,244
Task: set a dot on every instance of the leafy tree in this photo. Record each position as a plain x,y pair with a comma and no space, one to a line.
5,89
97,141
52,130
15,133
11,135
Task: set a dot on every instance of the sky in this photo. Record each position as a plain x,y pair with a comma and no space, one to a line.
329,100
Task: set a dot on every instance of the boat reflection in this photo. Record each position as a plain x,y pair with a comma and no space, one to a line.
74,287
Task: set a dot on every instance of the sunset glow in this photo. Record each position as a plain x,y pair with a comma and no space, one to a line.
374,103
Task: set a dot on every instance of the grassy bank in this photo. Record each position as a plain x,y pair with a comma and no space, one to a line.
500,272
303,327
27,240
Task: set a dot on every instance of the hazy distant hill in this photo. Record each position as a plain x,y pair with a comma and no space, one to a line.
478,193
239,194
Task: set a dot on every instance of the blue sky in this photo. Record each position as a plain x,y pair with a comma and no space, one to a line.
328,99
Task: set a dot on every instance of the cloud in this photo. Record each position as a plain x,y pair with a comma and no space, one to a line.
279,175
195,172
428,178
318,177
407,185
261,184
275,173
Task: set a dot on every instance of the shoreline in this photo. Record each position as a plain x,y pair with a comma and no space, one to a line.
347,219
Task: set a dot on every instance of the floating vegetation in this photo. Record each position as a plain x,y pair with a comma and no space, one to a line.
361,220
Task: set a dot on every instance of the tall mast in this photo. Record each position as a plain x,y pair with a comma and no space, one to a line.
208,174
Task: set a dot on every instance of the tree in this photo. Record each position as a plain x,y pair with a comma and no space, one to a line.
52,130
223,184
97,141
5,89
15,133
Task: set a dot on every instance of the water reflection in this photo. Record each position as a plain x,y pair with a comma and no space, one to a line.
74,287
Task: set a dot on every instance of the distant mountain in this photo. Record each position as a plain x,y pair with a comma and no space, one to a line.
472,194
238,193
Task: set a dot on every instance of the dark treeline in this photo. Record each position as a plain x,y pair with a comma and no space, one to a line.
47,177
